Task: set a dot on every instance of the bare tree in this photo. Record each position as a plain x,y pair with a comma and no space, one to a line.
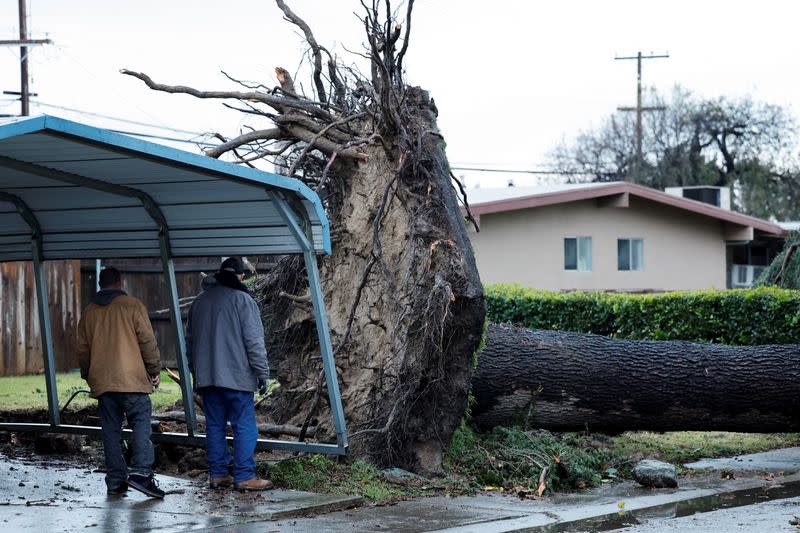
741,143
404,298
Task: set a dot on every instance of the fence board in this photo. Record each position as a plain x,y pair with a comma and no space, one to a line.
20,340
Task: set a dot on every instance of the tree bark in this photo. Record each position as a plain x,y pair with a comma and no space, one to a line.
404,364
575,382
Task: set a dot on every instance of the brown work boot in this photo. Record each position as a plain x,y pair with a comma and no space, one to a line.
220,482
254,483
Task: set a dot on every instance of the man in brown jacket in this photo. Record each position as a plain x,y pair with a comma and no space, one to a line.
120,360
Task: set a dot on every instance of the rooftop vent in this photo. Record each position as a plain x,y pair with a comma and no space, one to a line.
716,196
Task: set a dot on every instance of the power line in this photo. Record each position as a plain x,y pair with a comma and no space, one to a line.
109,117
153,136
523,171
63,50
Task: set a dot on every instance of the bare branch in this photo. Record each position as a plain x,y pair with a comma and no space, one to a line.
304,299
312,42
251,110
248,84
280,103
324,144
286,81
239,158
466,203
339,89
318,136
272,133
357,142
402,53
298,119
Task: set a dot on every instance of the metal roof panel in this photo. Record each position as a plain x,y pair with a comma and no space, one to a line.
93,191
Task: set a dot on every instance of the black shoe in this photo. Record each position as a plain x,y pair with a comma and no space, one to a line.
120,489
145,484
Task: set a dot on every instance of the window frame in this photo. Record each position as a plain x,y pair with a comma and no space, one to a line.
587,263
631,254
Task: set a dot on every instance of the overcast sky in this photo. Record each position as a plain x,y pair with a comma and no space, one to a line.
511,79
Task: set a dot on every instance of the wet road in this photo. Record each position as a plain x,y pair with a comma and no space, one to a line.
767,517
52,494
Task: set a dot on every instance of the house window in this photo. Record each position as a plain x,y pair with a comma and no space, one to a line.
578,254
630,254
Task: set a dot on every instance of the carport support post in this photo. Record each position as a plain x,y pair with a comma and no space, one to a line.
180,342
304,238
326,349
46,332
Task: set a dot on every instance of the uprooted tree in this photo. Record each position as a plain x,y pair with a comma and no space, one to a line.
404,300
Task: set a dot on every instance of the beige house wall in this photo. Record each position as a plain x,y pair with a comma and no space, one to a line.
682,250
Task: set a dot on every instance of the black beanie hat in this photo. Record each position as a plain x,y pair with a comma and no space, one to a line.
232,264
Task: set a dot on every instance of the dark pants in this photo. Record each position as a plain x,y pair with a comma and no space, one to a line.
220,407
136,407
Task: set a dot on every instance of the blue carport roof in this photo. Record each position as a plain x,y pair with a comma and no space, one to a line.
94,193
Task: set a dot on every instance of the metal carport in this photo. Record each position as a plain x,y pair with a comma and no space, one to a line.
72,191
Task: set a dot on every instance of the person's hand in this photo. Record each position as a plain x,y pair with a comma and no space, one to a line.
263,386
155,380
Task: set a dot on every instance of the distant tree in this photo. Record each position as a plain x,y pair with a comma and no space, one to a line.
740,143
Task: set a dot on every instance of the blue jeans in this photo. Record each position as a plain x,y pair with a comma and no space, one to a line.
220,407
136,407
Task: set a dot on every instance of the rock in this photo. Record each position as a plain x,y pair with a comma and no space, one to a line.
656,474
429,458
398,476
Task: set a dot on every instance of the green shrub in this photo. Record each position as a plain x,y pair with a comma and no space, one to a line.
514,460
737,317
784,272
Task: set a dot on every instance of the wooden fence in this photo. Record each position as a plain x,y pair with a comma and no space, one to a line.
20,339
71,285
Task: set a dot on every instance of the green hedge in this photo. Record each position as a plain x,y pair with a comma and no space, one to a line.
737,317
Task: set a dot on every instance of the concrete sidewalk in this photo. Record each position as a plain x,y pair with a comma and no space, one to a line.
40,495
487,513
55,496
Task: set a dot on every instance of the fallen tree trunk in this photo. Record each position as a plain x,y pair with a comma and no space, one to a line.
574,382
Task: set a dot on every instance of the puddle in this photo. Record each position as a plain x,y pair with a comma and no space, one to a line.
689,507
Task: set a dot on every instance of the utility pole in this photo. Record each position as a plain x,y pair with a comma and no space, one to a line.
638,163
23,60
24,92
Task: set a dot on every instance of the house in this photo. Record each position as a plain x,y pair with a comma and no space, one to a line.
618,236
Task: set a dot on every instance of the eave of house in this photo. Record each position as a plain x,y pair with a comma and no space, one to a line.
617,194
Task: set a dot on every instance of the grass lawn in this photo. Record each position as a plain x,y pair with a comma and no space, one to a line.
29,392
678,447
511,460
